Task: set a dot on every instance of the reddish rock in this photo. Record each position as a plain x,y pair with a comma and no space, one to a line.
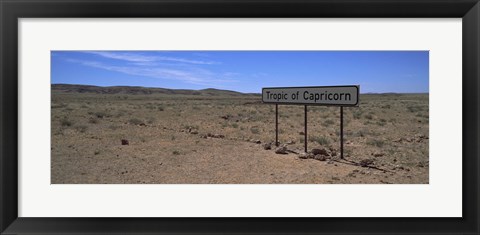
366,162
320,157
378,154
267,146
319,151
281,150
218,136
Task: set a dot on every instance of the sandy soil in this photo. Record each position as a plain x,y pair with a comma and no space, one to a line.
168,140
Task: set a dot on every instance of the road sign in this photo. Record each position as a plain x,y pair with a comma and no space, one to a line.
319,95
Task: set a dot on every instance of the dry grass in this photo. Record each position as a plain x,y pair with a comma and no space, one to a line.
166,144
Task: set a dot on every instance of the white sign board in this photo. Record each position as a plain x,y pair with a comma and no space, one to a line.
319,95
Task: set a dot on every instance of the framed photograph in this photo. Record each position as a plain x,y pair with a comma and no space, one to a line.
239,117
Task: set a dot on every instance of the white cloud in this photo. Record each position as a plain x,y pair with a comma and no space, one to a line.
173,59
139,57
192,75
131,57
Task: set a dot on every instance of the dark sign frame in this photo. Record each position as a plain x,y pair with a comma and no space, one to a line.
313,104
12,10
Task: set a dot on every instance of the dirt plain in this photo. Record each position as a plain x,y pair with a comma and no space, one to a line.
218,137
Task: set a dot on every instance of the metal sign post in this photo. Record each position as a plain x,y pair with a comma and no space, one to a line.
341,132
306,138
347,96
276,125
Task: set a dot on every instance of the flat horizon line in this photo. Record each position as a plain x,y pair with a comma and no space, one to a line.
145,87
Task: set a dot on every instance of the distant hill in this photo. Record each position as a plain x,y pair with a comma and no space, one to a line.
136,90
393,93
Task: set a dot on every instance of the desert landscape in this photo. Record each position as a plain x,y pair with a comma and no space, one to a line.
137,135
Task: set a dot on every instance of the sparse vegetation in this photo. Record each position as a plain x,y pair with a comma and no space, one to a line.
357,115
65,122
168,142
414,108
192,127
100,114
81,128
151,120
361,133
376,143
322,140
328,122
93,120
135,121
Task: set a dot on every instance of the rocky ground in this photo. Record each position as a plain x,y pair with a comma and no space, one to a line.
178,139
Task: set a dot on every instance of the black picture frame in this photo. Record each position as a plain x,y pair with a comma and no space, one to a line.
12,10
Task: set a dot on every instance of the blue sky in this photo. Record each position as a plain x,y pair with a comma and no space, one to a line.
245,71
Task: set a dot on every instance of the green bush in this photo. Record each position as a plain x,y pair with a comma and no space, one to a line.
322,140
